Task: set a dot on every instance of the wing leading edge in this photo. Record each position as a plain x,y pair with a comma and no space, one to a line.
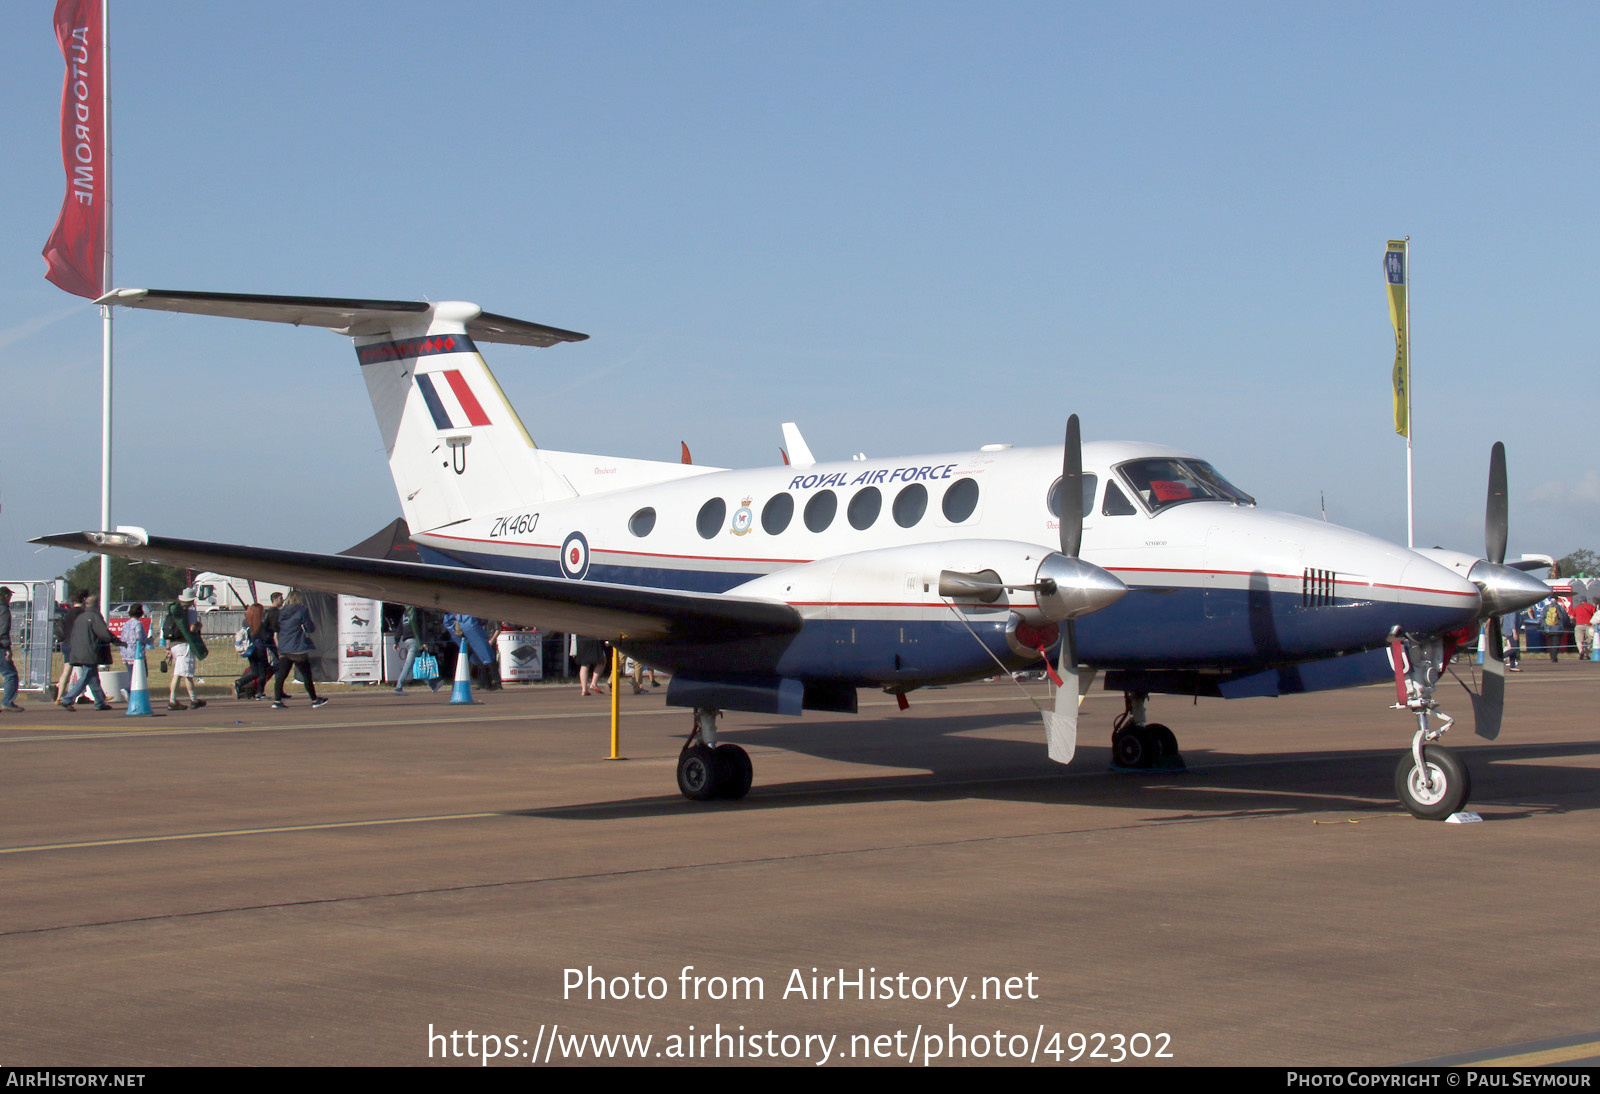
617,612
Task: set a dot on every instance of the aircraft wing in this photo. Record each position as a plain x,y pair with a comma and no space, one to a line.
593,609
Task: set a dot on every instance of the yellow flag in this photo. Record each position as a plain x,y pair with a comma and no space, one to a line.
1394,269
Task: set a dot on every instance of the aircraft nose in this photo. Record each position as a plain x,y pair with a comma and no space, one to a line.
1435,597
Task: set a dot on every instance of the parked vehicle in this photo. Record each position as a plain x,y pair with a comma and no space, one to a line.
217,592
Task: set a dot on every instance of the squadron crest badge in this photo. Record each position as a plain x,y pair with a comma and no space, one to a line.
743,519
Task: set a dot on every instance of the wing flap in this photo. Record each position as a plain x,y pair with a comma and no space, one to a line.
617,612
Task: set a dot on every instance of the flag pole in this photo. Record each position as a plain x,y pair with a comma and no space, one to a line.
105,311
1397,272
1410,523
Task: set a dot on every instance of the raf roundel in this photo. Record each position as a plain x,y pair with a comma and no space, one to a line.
575,557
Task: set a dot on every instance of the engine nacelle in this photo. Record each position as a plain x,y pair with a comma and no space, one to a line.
975,575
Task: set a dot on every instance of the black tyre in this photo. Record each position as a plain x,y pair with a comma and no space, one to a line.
1132,746
1451,788
733,781
698,774
1165,742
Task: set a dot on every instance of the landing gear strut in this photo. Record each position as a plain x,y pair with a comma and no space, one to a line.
1429,781
708,770
1141,746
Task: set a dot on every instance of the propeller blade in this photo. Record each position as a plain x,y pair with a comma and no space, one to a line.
1061,724
1495,518
1072,491
1504,589
1489,705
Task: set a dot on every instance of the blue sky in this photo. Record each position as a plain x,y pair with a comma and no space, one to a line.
909,227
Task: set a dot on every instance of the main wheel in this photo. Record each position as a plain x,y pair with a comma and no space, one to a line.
698,773
1132,746
1165,740
736,771
1452,785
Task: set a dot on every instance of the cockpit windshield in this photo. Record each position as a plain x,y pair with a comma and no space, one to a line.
1163,482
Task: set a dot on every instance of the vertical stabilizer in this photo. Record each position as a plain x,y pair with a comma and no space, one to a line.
456,447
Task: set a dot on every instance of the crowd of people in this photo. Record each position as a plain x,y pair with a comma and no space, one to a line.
1548,628
275,642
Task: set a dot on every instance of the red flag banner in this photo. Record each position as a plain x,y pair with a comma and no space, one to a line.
76,253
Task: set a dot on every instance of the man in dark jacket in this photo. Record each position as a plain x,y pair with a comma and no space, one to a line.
8,668
89,644
64,620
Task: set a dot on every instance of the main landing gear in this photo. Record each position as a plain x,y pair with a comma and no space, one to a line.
1429,781
708,770
1139,745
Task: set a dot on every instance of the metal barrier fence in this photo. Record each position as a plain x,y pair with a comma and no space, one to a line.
33,616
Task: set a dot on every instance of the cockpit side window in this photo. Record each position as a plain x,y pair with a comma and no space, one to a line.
1116,503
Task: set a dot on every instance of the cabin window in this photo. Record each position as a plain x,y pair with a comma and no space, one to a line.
777,513
910,504
709,522
960,500
820,510
1090,483
1116,503
643,522
865,507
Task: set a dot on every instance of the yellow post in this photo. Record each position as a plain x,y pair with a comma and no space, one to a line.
616,704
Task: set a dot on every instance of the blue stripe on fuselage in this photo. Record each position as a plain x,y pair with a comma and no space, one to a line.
645,577
1151,627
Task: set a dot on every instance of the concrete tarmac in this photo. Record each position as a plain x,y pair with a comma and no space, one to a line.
239,885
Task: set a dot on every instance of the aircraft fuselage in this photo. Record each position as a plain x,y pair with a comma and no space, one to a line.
1217,585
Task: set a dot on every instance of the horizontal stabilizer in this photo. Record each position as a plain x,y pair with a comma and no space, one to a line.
352,317
616,612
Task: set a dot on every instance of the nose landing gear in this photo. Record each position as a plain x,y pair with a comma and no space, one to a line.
1430,781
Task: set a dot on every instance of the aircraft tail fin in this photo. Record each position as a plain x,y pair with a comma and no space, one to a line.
456,446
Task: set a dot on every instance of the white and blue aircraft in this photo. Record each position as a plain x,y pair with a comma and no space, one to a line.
784,589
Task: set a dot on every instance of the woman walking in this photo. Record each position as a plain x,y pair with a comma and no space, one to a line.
253,684
294,649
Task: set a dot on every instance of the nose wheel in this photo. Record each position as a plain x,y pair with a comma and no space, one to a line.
1437,789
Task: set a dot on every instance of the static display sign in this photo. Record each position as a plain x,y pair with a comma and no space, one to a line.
521,655
360,639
